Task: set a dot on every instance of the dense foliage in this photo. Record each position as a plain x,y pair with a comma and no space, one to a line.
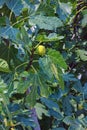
45,91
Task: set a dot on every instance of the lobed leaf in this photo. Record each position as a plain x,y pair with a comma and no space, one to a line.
57,58
44,22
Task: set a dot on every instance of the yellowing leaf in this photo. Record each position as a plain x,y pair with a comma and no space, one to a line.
4,66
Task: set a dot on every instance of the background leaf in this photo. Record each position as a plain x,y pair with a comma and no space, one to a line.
82,54
47,23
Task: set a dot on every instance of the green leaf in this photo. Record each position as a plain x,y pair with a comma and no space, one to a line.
2,2
4,66
40,110
78,87
57,58
82,54
23,82
56,114
58,75
85,89
44,88
54,37
38,87
50,104
50,70
69,77
10,54
46,9
25,120
44,22
32,95
53,108
51,37
60,128
76,127
67,107
16,6
84,20
68,120
2,21
24,36
3,88
61,81
64,10
55,71
44,64
9,32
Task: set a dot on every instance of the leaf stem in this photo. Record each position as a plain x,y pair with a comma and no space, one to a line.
20,65
34,69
